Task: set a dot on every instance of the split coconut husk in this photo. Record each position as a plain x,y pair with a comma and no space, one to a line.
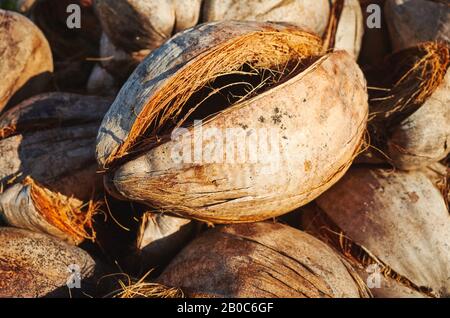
412,22
47,164
410,121
261,260
25,58
241,79
37,265
340,19
391,221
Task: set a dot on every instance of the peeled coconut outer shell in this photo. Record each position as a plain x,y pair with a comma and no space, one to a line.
48,168
134,25
51,137
413,244
36,265
25,58
424,137
244,192
411,22
260,260
160,237
350,29
311,15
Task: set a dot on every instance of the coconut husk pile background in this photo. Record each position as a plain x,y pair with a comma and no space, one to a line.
122,169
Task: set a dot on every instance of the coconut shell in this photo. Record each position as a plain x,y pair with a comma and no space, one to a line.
308,14
160,237
223,192
423,137
350,28
398,220
47,163
135,25
117,62
25,58
311,15
411,22
101,82
261,260
411,117
36,265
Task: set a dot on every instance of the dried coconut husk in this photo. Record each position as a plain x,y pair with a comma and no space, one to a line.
135,25
118,62
48,171
411,22
339,21
395,220
261,260
439,174
101,83
160,238
280,91
37,265
129,287
410,117
25,58
71,47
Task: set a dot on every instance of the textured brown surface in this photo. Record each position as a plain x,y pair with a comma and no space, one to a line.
401,219
25,57
51,138
260,260
36,265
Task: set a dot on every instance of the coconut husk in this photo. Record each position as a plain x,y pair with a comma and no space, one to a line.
117,62
48,171
410,120
130,287
133,28
71,47
37,265
412,22
261,260
101,83
339,22
275,70
25,58
160,238
135,25
439,174
314,14
363,216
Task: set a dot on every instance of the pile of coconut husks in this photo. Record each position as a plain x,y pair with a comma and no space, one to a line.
239,148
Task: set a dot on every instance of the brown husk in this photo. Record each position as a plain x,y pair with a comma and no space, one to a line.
261,260
25,58
365,219
36,265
